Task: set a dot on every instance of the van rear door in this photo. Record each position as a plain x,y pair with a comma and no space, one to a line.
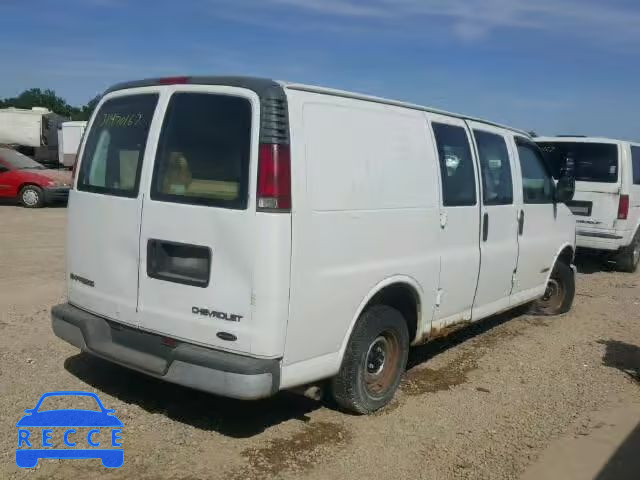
105,207
597,171
197,238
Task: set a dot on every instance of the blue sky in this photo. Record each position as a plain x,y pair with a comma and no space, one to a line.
555,66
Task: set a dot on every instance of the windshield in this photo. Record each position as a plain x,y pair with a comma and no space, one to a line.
18,160
593,162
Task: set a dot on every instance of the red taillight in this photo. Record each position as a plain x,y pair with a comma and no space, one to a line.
623,207
173,80
274,177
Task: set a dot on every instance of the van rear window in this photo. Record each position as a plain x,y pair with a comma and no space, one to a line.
112,158
204,150
592,162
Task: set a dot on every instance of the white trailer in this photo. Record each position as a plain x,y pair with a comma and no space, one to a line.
69,138
33,132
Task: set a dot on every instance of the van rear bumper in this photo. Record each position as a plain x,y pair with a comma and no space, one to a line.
602,239
213,371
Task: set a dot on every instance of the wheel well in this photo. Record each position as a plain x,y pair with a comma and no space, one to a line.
566,256
27,184
403,298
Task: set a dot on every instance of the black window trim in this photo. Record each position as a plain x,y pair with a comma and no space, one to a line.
242,203
135,192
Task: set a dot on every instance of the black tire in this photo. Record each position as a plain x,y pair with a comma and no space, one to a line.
363,385
31,196
560,292
629,257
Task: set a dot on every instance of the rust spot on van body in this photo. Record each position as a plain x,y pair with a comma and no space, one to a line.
418,380
441,332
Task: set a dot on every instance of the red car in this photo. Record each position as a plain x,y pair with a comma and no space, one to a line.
31,183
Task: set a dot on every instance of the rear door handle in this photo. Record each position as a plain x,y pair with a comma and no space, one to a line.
485,227
521,223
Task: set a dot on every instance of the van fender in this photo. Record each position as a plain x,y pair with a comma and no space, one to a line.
557,255
396,279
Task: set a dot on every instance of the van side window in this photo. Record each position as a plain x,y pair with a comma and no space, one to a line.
112,158
495,167
456,166
635,157
537,186
203,152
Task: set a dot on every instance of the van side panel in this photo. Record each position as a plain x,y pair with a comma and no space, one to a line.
634,188
365,208
627,228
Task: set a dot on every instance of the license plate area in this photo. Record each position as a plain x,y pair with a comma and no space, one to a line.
580,208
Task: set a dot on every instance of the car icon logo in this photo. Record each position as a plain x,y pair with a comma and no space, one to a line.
69,433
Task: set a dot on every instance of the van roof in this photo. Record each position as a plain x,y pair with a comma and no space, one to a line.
386,101
265,87
583,139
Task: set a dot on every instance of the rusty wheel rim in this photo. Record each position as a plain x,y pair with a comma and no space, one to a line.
380,363
553,295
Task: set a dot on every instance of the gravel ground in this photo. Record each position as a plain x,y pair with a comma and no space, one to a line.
481,404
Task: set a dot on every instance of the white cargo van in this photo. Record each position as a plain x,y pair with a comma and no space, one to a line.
607,199
243,236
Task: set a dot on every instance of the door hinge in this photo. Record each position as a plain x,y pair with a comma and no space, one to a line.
439,297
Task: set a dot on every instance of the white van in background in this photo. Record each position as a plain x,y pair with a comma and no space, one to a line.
607,199
69,139
243,236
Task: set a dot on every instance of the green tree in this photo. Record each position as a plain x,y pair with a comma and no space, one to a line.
84,112
36,97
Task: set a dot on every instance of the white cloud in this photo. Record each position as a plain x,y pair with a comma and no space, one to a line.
468,19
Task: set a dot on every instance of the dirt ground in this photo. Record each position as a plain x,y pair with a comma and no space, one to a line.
483,404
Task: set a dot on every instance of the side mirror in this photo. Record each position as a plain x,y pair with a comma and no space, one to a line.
565,189
3,169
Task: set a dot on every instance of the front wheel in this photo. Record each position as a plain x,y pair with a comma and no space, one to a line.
628,259
374,362
558,296
32,196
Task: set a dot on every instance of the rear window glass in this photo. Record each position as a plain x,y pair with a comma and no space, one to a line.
112,158
204,150
635,157
592,162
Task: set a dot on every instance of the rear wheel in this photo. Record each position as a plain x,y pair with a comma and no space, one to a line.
31,196
628,259
374,362
560,291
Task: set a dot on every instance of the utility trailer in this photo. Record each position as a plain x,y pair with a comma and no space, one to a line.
32,132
